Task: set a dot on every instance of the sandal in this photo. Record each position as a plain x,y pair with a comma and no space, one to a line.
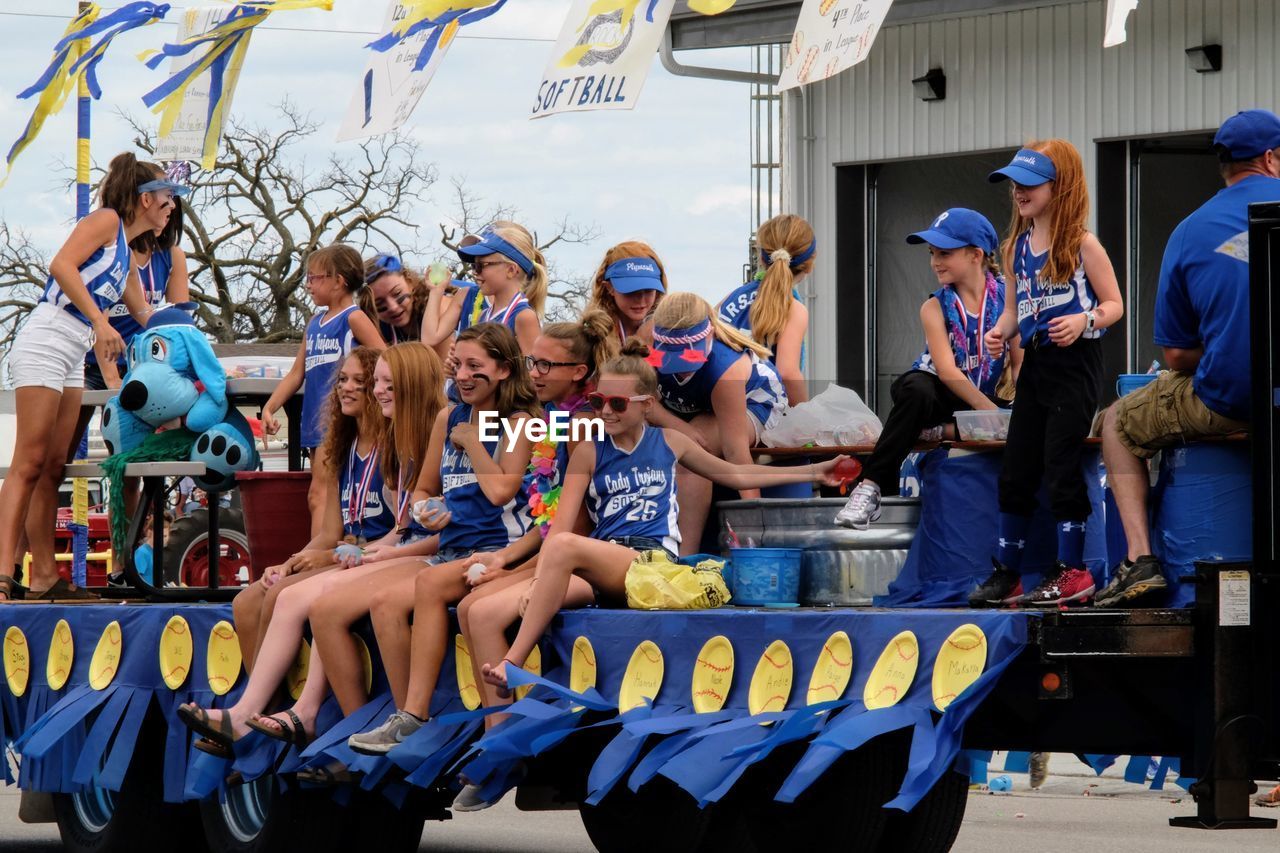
333,773
290,731
11,589
198,720
215,748
1269,800
62,590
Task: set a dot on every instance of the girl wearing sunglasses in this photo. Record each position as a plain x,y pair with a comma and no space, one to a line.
481,508
627,482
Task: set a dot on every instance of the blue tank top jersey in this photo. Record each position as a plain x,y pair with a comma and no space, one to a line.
965,332
562,447
1041,301
693,396
394,336
476,525
104,273
363,475
736,311
506,316
155,284
327,344
472,307
634,494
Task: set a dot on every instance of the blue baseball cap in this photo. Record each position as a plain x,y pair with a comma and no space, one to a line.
680,350
173,315
956,228
1028,167
1248,134
632,275
488,242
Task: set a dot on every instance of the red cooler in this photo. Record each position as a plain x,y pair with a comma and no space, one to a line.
277,520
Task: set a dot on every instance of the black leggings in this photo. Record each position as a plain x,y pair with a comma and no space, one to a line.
1057,396
920,400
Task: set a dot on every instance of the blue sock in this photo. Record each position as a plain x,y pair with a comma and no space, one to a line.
1071,543
1013,539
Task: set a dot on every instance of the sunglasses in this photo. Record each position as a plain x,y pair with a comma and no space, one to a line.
542,365
618,404
480,266
383,264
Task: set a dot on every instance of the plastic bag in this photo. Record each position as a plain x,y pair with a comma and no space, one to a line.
655,583
837,416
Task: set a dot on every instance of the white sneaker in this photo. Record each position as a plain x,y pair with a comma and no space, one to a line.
469,800
862,508
387,736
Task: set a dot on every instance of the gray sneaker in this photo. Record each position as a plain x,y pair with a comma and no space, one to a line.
469,800
1132,581
387,736
862,508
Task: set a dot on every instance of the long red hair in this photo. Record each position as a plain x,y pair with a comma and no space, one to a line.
1068,212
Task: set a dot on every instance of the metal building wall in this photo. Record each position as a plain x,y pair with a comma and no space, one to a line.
1013,76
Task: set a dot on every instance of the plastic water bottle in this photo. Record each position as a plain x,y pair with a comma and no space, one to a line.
1000,783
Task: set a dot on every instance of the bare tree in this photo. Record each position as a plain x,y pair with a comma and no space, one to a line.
23,273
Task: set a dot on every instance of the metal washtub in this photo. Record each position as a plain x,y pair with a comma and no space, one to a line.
840,567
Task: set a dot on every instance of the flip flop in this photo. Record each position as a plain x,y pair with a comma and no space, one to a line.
64,591
11,589
198,720
215,748
290,731
333,773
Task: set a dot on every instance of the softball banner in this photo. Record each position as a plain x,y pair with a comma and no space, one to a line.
603,55
831,36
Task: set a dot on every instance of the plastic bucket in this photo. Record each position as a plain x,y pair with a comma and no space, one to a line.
1127,383
277,520
766,576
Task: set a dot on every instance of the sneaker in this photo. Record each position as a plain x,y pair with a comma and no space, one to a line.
1002,589
1132,581
1039,769
387,736
862,508
469,800
1064,585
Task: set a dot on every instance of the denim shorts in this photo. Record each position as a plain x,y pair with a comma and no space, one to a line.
448,555
642,543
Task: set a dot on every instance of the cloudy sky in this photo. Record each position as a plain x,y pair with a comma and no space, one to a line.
673,172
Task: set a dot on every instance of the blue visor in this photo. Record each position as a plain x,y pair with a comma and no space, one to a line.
632,275
680,350
487,242
162,184
1028,167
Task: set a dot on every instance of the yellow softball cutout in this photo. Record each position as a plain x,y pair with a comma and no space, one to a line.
582,667
533,664
17,660
61,653
106,657
893,673
833,670
366,663
712,675
961,660
466,674
222,660
771,682
643,677
175,652
296,678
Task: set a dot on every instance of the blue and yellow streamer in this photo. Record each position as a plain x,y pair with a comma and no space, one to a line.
442,17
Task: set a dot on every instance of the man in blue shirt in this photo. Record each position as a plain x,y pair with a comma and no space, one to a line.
1202,322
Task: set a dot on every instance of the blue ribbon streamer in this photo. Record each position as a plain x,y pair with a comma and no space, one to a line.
463,17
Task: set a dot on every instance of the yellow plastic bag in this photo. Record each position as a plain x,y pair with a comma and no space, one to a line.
656,583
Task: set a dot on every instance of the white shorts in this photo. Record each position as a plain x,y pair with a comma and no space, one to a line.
49,350
775,415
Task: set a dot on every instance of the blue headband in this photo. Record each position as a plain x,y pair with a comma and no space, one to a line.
163,184
382,265
796,260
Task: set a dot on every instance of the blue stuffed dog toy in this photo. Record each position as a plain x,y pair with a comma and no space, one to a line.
173,374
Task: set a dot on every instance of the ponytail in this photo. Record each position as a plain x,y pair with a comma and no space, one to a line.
781,240
535,288
591,340
119,189
632,362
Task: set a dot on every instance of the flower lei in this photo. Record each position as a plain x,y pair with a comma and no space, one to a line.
545,495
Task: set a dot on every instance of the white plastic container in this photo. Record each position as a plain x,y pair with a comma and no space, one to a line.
984,425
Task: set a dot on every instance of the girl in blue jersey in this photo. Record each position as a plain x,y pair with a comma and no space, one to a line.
482,508
361,503
955,372
1060,297
717,386
91,273
770,310
396,298
512,276
334,274
627,481
408,382
629,284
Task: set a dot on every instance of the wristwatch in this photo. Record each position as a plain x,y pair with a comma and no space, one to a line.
1088,321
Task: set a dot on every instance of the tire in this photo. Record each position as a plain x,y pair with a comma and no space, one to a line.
932,826
135,818
263,817
627,822
186,559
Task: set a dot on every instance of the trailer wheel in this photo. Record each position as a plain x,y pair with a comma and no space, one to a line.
932,826
186,553
262,816
135,818
627,821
